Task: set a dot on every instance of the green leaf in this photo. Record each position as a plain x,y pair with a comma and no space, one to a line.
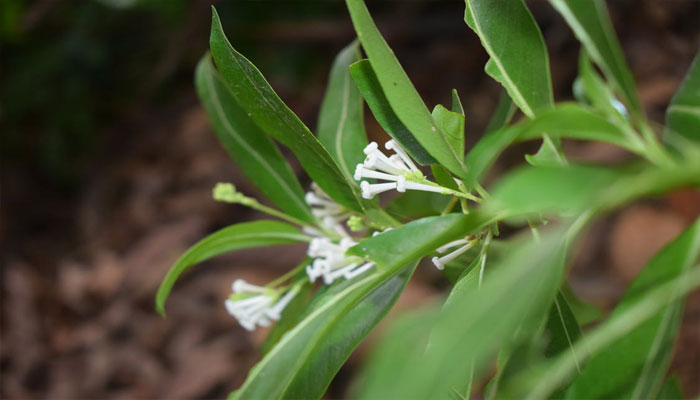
335,348
417,204
561,190
578,188
683,115
268,111
567,120
634,366
457,103
542,379
366,81
443,177
324,338
452,123
256,155
562,327
595,91
291,315
235,237
340,123
592,26
519,59
562,331
400,93
409,242
505,109
549,154
473,325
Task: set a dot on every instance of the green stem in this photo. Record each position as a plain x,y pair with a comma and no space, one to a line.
254,204
449,207
288,275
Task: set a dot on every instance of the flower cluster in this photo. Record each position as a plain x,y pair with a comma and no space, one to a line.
258,305
328,212
331,262
398,171
254,305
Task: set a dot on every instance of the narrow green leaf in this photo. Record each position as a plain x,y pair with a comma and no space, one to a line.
562,331
683,114
256,155
400,92
443,177
351,307
268,111
542,379
592,26
505,109
417,204
335,347
634,366
562,328
366,81
567,120
519,59
235,237
565,190
409,242
452,124
549,154
473,325
340,123
595,91
457,103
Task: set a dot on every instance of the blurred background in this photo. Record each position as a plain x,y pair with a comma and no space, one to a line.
108,163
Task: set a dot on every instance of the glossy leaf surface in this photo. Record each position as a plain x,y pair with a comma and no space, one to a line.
340,123
269,112
452,124
324,338
519,59
567,120
400,92
335,348
414,240
568,190
366,81
256,155
592,26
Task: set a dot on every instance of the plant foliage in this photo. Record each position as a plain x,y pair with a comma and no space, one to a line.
509,302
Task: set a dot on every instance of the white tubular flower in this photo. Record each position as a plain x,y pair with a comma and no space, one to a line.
370,190
331,263
254,305
441,261
397,172
330,213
